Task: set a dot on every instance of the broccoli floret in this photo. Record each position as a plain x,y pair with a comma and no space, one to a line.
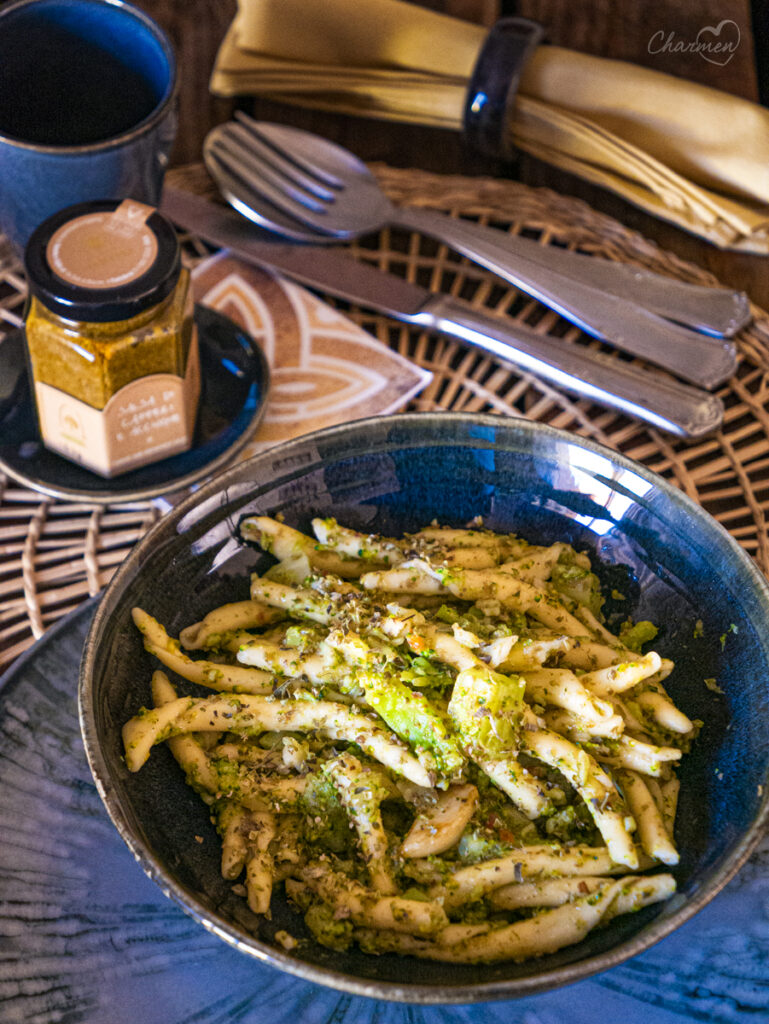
325,819
327,929
412,717
579,585
635,636
426,675
485,708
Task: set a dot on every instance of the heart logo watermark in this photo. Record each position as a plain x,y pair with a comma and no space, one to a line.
716,44
719,50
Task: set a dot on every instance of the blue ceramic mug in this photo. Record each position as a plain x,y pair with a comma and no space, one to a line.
87,108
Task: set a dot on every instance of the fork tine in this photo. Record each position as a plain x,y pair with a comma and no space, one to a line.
278,161
261,184
316,172
249,203
251,167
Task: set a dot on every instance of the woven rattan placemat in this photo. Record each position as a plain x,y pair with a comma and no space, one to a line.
54,555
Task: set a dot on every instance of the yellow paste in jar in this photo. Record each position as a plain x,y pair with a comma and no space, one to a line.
93,361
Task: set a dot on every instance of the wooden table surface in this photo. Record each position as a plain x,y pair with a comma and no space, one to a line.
620,29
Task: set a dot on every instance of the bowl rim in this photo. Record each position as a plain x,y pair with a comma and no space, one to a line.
423,994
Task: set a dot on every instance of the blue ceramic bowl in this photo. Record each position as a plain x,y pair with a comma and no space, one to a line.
391,474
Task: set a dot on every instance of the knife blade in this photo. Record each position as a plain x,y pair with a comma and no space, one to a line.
667,404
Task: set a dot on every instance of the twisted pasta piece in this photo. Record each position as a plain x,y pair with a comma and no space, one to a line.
252,715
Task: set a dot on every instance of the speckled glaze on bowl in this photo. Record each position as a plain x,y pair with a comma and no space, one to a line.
673,562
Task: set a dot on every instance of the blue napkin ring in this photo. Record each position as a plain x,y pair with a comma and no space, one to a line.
494,83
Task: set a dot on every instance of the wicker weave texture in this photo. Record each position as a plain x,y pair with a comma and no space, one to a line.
54,555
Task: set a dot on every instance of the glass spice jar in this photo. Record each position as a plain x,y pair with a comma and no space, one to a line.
111,336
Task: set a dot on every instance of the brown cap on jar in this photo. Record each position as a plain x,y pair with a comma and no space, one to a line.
103,261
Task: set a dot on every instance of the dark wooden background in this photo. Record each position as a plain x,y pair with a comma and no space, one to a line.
619,29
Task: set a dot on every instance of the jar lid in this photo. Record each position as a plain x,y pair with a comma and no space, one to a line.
103,260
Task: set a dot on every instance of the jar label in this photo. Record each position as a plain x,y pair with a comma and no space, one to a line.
104,250
147,420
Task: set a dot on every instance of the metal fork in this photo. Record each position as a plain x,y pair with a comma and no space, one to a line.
296,184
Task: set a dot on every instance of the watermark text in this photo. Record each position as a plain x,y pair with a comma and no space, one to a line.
716,44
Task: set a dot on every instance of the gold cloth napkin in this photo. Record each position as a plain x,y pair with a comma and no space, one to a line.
324,369
681,151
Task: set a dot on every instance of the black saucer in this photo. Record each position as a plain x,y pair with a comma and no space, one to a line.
234,382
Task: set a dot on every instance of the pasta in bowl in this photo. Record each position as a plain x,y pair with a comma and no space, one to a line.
438,674
442,741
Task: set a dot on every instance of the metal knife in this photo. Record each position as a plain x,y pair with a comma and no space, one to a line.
719,311
667,404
